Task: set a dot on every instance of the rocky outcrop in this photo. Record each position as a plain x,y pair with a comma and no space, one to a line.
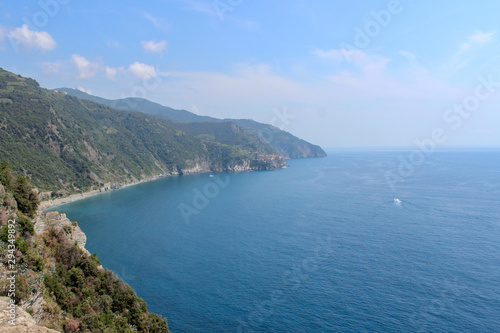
245,165
257,162
196,166
24,322
60,222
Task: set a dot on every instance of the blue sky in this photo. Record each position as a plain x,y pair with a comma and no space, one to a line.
336,73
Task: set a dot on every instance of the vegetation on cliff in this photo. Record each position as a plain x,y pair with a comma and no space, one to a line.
55,280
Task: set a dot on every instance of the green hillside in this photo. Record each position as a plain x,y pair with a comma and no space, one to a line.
141,105
63,142
228,133
268,136
283,142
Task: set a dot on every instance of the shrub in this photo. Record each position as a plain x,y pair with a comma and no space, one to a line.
72,326
26,225
4,233
39,264
22,289
21,245
93,257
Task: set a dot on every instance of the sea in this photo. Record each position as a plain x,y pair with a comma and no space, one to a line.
360,241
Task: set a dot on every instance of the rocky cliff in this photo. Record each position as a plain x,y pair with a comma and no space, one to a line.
53,280
41,311
24,322
60,223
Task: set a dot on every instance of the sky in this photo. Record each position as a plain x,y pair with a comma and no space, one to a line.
337,73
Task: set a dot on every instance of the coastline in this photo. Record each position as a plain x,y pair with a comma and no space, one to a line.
47,204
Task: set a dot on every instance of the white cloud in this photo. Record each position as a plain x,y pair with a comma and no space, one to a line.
3,34
482,37
85,91
246,24
158,22
248,84
142,71
358,57
25,39
111,72
86,69
202,7
411,57
155,47
221,11
368,76
51,67
329,54
113,44
467,51
367,79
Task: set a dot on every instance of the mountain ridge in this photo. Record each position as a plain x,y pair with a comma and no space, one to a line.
72,145
283,143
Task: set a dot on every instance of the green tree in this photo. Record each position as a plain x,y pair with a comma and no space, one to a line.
6,177
27,201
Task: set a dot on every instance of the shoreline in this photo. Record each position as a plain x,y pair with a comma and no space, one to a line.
47,204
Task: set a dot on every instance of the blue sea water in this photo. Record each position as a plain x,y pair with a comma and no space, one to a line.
318,247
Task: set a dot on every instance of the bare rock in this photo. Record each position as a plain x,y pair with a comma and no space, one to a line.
24,323
60,222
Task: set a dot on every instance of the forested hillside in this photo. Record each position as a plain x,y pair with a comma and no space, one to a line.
279,141
63,142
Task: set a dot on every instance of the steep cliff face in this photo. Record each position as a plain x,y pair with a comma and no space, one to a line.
41,312
60,223
198,165
251,163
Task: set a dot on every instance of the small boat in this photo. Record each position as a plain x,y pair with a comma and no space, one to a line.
211,176
397,201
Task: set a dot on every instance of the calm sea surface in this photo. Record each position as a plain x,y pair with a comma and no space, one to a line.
318,247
